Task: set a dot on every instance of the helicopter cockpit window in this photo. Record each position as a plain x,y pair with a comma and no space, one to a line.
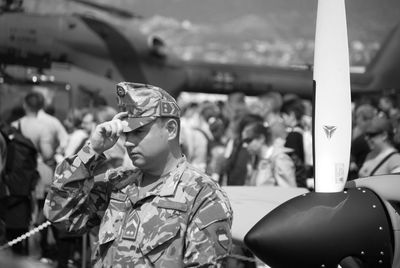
11,5
157,46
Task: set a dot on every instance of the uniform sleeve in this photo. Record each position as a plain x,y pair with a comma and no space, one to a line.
209,238
75,201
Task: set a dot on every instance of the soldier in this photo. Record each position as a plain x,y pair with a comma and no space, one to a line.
162,213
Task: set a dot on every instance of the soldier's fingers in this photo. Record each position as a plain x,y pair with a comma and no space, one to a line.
107,129
101,129
114,128
120,126
120,123
120,115
124,124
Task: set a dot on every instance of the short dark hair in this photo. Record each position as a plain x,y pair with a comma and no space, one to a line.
296,106
248,119
34,101
257,130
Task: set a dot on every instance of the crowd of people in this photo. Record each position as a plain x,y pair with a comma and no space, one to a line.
272,135
263,142
53,140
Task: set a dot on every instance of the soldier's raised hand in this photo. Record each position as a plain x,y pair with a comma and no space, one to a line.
107,134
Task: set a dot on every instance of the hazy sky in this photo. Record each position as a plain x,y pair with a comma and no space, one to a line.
364,16
367,19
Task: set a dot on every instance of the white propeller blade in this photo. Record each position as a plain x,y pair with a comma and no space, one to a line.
332,109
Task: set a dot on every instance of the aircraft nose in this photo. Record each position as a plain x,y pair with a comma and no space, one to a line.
321,229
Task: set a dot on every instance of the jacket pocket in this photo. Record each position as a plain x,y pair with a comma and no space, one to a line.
154,245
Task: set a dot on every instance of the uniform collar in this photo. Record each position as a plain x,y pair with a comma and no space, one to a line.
168,187
164,186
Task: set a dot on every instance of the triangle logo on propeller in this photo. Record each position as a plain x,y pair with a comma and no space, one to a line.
329,130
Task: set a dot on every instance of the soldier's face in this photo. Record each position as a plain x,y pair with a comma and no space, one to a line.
147,146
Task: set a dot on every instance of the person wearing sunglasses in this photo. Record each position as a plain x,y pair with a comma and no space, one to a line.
272,166
161,213
383,157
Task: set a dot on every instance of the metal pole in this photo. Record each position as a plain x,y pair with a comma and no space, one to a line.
84,250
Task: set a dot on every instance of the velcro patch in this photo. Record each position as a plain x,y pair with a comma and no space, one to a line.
169,109
211,215
119,196
172,205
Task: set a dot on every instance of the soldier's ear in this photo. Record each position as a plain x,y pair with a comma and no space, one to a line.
172,127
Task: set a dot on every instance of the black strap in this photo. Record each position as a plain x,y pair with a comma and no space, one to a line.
381,163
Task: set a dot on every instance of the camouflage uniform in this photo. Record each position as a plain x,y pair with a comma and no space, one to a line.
183,220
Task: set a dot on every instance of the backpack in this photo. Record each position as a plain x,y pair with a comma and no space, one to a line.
20,173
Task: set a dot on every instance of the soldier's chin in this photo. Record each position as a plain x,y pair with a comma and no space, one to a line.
137,160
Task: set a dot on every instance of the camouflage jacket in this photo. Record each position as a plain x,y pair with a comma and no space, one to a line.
182,221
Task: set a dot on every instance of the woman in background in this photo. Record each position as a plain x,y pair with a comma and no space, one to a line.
272,165
383,157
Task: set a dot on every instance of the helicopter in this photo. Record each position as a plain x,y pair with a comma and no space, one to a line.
117,52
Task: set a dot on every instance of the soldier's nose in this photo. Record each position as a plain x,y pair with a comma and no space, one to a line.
129,144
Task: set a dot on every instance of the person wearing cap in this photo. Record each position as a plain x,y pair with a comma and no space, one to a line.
163,212
383,157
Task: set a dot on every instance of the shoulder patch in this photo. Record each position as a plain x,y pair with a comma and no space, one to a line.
223,237
211,214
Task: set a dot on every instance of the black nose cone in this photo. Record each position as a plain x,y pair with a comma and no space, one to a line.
321,229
